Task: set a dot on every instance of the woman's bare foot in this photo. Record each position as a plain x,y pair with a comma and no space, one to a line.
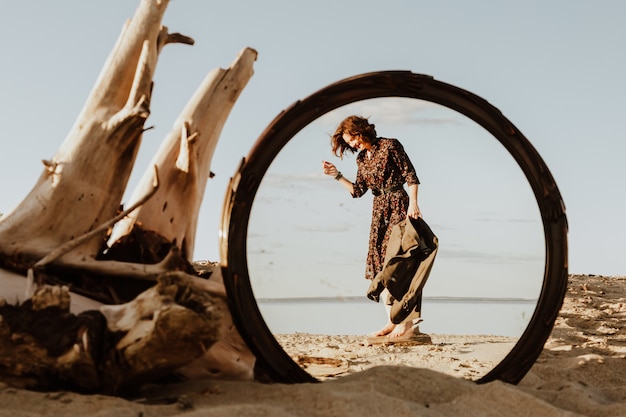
401,329
385,330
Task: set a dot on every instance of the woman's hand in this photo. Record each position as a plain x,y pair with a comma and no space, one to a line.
329,168
413,211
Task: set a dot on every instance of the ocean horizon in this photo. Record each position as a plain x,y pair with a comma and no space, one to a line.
360,315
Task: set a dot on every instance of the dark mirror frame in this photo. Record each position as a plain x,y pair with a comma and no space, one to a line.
272,361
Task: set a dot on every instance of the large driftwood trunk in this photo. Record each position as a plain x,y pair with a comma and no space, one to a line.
72,229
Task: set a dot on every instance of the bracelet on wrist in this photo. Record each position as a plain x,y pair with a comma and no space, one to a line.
338,176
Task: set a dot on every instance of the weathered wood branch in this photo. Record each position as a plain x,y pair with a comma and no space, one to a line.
68,246
165,38
87,176
173,212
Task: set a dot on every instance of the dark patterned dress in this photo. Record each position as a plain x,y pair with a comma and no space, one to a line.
385,172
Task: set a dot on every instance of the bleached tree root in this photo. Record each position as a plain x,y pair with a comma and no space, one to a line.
229,357
112,351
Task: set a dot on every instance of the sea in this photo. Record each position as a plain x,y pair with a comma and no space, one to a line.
361,316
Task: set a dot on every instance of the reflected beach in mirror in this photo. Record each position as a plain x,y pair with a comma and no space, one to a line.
307,237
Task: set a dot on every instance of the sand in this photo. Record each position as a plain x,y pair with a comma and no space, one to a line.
328,357
581,371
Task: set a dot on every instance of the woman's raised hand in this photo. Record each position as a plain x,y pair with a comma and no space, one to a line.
329,168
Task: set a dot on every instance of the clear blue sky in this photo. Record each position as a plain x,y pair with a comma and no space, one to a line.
555,69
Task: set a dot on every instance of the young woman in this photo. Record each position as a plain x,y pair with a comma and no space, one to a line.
382,167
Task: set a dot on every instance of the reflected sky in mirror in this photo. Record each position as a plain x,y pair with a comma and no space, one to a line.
307,237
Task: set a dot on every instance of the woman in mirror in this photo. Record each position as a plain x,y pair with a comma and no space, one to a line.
382,167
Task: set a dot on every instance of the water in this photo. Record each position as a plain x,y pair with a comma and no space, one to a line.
359,315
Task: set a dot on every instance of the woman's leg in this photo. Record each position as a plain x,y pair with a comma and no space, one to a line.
408,326
389,327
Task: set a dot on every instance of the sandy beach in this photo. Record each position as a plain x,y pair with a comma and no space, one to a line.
329,357
581,371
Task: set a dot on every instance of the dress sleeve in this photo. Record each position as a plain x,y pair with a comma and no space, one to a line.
360,185
404,163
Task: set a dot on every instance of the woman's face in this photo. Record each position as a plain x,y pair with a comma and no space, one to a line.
355,142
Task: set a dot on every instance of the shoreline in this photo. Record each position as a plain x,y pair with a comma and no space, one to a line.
362,316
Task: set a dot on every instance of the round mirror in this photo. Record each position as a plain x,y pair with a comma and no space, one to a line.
293,241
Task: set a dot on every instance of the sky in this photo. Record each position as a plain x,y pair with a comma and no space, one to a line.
554,69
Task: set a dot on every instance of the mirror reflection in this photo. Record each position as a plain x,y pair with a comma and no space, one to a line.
308,241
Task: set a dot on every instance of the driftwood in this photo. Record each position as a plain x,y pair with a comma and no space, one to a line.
73,231
114,350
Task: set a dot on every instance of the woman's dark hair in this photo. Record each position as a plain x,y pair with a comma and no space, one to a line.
355,126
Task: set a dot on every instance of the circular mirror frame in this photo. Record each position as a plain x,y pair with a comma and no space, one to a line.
272,361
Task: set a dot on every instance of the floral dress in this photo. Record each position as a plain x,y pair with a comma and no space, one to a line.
384,172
